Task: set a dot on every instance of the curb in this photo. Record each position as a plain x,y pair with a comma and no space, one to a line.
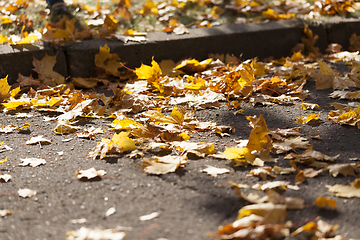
250,40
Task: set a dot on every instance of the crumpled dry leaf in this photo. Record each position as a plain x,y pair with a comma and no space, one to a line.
283,171
271,185
90,132
89,173
163,165
346,191
37,140
95,234
214,171
289,144
346,169
25,193
192,149
33,162
309,156
262,173
5,177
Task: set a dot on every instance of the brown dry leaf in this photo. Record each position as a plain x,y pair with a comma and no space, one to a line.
191,149
271,185
163,165
37,140
90,132
289,144
44,68
5,177
25,193
33,162
283,134
89,173
262,173
346,191
214,171
97,233
324,201
346,169
283,171
309,156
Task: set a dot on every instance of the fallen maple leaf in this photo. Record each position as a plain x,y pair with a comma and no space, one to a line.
25,193
346,169
214,171
5,177
148,73
163,165
346,191
89,173
263,173
309,156
33,162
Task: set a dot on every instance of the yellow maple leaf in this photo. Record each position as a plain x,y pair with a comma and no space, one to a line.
108,61
178,114
54,101
259,142
28,39
147,72
122,140
4,89
125,124
193,66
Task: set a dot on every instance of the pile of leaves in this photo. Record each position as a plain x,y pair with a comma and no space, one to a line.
27,21
152,114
